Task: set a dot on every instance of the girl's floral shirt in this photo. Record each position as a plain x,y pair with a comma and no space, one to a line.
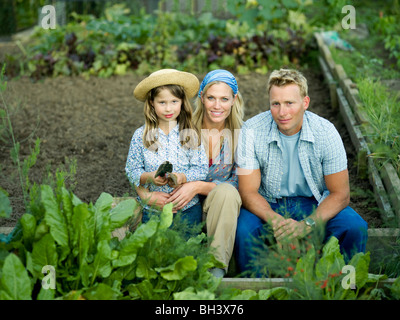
192,162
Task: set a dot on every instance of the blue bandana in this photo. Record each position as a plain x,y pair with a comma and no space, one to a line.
219,75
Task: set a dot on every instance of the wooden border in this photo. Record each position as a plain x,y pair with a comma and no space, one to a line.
386,183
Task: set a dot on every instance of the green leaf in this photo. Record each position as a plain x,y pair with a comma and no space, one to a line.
129,246
122,212
54,217
28,223
44,253
101,291
143,290
331,261
143,269
102,209
166,217
191,294
15,282
395,289
82,232
5,206
179,269
279,293
101,265
361,263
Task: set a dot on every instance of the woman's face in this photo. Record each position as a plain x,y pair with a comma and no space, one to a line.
217,101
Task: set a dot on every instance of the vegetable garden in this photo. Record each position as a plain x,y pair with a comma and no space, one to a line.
68,114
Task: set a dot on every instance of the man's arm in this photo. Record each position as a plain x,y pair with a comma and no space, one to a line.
249,183
338,198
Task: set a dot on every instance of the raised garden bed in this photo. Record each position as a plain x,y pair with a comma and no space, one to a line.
344,96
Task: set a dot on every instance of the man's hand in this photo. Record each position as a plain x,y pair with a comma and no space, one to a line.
289,229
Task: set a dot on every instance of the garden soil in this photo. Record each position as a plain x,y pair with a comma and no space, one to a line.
93,120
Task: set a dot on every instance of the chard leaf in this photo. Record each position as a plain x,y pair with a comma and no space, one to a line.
129,246
54,217
15,282
179,269
101,265
101,291
143,290
67,208
191,294
28,222
122,212
166,216
395,289
80,240
102,217
360,261
331,261
44,253
143,269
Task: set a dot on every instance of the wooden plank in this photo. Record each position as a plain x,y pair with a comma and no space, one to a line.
332,84
381,196
356,135
6,230
384,232
392,185
257,284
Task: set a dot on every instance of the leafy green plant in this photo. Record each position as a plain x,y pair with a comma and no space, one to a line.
74,238
7,132
382,109
321,277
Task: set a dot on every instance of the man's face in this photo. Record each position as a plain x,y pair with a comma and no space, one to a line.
288,107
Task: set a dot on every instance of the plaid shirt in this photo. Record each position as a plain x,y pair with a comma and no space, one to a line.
321,153
192,162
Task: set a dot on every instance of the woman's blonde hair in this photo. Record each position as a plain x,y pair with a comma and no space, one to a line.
284,77
234,120
189,134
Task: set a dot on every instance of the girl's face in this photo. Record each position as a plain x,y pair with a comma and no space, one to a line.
218,101
167,107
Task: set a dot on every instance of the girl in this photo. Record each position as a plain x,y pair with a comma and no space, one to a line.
167,135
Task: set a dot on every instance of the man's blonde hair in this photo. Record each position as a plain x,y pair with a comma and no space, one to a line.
283,77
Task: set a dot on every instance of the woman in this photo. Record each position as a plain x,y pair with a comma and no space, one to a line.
219,117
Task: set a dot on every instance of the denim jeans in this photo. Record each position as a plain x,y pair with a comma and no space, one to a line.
188,221
347,226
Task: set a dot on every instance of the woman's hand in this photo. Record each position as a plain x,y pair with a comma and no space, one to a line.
156,198
182,195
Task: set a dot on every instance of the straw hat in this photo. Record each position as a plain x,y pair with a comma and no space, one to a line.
188,81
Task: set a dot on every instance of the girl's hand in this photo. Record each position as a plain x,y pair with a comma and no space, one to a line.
182,195
176,179
159,181
159,199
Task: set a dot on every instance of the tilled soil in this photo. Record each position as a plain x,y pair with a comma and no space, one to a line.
93,121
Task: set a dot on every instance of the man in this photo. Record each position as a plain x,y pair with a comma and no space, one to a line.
293,175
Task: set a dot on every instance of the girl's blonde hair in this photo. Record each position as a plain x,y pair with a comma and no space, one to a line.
234,120
188,133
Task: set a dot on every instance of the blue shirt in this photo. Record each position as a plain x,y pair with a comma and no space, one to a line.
192,162
320,148
293,181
